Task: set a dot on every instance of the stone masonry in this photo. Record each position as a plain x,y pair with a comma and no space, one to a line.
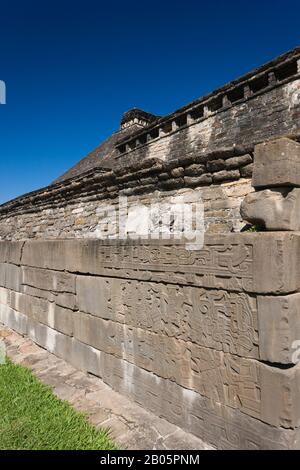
203,151
209,338
201,338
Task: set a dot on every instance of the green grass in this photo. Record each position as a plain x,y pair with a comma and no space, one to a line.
31,417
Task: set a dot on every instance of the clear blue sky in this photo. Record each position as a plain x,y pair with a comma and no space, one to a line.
72,68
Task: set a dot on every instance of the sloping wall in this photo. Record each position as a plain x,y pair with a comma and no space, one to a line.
203,151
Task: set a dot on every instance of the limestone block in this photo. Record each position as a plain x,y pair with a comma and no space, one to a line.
211,318
103,335
224,378
5,295
10,252
279,328
47,254
10,276
97,295
280,395
202,180
86,358
194,170
274,209
247,171
220,425
276,163
61,319
31,306
250,262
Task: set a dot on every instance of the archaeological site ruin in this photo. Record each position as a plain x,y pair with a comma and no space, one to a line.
206,338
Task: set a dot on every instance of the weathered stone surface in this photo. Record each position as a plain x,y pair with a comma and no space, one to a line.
279,328
222,426
280,395
194,170
187,318
215,165
42,311
226,175
247,171
139,384
274,209
10,252
201,337
63,222
251,262
277,163
61,299
10,276
198,180
98,296
237,162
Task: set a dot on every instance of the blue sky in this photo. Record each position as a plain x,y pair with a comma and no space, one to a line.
72,68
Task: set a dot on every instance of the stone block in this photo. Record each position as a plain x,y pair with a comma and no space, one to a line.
202,180
211,318
10,276
226,175
280,395
103,335
221,426
49,280
274,209
276,163
279,328
194,170
13,319
61,299
215,165
237,162
85,357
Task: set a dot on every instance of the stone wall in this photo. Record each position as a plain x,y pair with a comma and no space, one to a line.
202,338
203,151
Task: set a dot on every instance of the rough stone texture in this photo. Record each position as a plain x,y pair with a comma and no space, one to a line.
251,262
201,338
78,212
204,149
277,163
274,209
131,426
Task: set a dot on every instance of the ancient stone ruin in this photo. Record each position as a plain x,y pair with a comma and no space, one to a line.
209,338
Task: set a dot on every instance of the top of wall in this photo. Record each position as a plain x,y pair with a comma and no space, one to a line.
229,122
